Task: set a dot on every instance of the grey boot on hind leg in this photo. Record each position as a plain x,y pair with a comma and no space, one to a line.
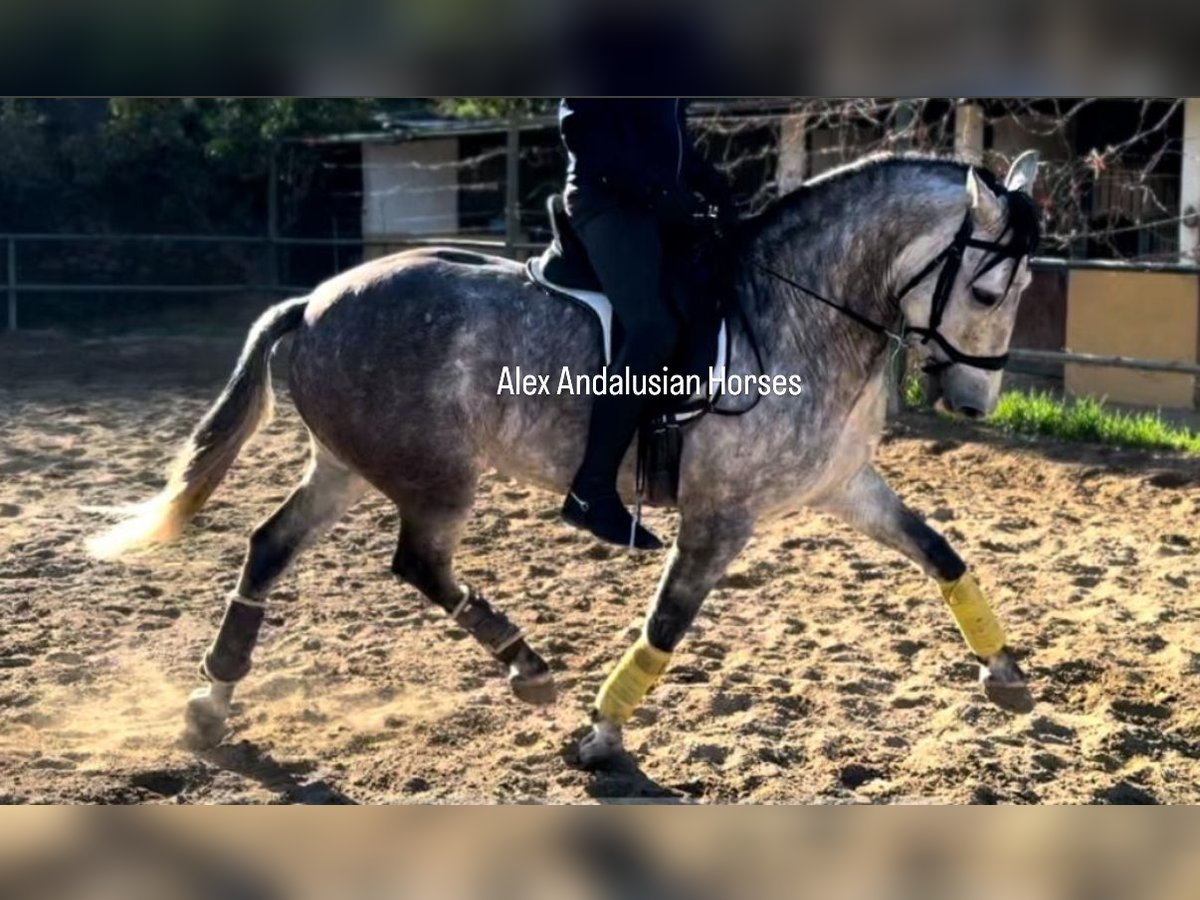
327,491
423,559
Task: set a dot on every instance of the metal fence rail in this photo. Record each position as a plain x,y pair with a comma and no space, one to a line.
509,245
14,286
1093,359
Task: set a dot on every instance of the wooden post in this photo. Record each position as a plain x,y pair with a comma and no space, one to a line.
1189,203
968,132
11,253
897,370
337,235
512,187
273,217
793,152
906,124
1189,184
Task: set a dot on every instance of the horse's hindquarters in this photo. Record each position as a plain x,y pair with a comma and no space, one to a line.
433,370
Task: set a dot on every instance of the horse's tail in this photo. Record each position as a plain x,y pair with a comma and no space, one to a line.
243,407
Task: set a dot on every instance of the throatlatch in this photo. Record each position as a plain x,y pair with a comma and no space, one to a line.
973,615
630,682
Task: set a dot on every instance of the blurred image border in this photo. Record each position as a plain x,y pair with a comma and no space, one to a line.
598,851
532,47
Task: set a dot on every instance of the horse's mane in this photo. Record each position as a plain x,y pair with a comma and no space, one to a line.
885,160
1023,219
868,168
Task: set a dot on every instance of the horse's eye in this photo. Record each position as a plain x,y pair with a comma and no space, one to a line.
987,298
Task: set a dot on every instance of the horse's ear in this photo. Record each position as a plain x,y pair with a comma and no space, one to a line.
1022,172
985,205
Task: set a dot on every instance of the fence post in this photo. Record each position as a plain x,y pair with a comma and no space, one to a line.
793,151
273,218
11,254
512,193
969,131
907,125
1189,184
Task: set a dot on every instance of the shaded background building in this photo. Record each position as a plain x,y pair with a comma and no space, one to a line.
137,213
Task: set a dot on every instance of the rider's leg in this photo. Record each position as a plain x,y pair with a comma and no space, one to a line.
625,249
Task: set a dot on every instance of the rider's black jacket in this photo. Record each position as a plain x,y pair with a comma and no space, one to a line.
635,153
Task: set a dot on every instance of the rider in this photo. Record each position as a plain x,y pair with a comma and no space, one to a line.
633,178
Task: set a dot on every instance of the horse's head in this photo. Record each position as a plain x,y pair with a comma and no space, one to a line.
963,302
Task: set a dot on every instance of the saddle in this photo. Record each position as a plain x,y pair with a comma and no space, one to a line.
563,271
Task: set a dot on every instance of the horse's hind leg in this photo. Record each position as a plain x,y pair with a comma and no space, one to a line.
327,491
428,537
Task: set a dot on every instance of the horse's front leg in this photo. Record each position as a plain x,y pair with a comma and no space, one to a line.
706,545
869,505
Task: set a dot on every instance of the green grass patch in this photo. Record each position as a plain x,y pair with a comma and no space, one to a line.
914,390
1087,419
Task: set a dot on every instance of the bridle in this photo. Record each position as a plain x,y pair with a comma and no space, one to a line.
947,264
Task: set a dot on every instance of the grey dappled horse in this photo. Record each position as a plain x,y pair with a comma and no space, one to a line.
394,369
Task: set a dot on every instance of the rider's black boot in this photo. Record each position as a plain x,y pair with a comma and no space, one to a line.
603,514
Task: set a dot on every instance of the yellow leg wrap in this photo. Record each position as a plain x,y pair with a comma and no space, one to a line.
975,620
630,681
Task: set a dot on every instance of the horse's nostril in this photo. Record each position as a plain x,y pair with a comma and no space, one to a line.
971,412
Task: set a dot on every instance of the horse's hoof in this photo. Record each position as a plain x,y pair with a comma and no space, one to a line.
601,747
1015,698
1004,684
537,689
203,736
204,717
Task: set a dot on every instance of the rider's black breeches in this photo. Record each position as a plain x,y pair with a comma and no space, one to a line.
625,249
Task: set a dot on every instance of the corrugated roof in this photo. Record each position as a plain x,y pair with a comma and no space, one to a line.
398,130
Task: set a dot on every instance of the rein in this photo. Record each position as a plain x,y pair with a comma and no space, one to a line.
947,264
1022,224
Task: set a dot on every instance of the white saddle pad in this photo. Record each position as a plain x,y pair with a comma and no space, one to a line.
599,304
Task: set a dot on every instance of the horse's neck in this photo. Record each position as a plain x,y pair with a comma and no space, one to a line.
834,249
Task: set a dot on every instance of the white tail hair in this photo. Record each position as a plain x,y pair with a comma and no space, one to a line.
243,407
